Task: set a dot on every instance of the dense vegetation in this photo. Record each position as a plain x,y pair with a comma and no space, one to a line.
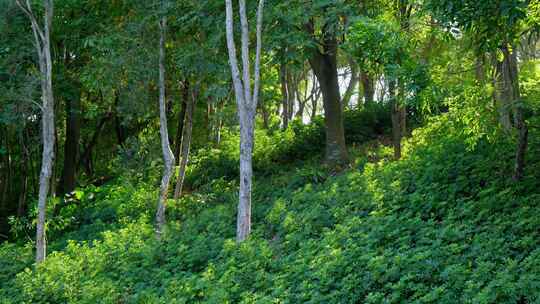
394,146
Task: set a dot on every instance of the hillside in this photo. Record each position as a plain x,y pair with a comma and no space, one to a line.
270,151
442,225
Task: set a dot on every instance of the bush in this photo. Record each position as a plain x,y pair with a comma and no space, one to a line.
300,142
442,225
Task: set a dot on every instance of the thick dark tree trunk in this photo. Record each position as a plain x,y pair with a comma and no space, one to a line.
86,157
265,116
118,127
325,67
71,146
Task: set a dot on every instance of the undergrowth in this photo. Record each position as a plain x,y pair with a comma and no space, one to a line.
443,225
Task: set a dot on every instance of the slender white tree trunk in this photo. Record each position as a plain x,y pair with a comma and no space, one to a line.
42,44
168,157
247,104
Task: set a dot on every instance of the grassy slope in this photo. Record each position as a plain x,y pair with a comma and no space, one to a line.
443,225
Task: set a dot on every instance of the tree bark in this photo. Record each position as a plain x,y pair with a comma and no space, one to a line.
402,109
247,105
168,157
118,127
351,86
71,146
480,71
291,93
284,96
325,67
265,116
181,119
512,91
503,94
42,44
86,157
396,128
219,124
25,165
315,98
186,143
302,98
368,89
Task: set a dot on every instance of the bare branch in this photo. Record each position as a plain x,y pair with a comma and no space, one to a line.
27,9
233,60
258,55
245,51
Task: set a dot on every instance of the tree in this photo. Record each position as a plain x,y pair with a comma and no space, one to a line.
381,48
42,44
186,141
168,157
246,100
323,61
496,26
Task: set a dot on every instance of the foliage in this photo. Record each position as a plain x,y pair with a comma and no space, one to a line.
299,142
443,225
492,22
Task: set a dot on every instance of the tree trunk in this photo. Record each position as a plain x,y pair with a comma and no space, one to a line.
265,116
25,164
71,146
315,98
246,104
168,157
181,119
246,175
402,109
118,127
352,85
86,158
291,93
504,94
48,138
396,117
219,123
480,71
301,109
303,98
368,89
511,90
186,143
325,67
42,44
284,96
